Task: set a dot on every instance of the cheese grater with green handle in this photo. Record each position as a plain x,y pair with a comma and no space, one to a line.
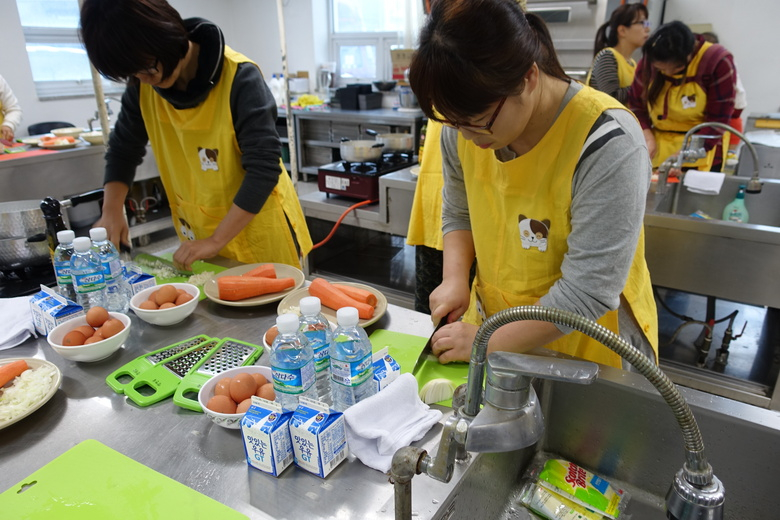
119,379
161,381
230,353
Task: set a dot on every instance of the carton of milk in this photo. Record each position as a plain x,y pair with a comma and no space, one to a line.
266,431
137,279
319,437
386,369
49,309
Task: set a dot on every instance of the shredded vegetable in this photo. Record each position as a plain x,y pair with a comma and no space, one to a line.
25,391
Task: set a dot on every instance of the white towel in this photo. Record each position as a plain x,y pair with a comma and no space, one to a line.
388,421
18,322
707,183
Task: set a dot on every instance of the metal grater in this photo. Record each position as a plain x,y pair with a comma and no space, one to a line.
163,378
230,353
131,370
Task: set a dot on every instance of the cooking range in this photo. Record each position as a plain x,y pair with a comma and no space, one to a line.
360,180
25,280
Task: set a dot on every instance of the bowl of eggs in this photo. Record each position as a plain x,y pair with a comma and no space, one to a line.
165,304
228,395
92,337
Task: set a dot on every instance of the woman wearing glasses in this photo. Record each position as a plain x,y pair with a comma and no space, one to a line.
544,184
211,121
613,67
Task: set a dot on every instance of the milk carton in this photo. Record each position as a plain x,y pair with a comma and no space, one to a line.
266,431
319,437
386,369
49,309
137,279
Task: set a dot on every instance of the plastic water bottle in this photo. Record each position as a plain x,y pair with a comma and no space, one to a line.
316,328
292,363
62,256
118,292
352,372
87,274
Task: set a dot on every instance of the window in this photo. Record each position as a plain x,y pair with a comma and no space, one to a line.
362,33
58,61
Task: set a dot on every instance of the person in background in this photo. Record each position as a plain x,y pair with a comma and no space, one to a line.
211,121
10,111
682,80
613,67
740,99
545,183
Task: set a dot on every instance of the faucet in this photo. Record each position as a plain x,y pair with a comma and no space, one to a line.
511,418
109,112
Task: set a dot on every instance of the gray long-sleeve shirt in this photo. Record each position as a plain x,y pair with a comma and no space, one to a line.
608,191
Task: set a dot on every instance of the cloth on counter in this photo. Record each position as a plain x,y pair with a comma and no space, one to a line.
390,420
18,321
707,183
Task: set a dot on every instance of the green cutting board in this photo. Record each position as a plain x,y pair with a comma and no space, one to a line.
405,348
92,481
199,266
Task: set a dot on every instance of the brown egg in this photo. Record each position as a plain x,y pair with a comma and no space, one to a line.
244,405
153,297
149,305
93,339
97,316
74,338
271,334
221,404
166,294
260,380
86,330
179,292
167,305
183,298
267,392
223,387
242,386
112,327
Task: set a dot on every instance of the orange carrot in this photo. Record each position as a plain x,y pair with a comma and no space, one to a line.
265,270
10,370
234,288
331,296
356,293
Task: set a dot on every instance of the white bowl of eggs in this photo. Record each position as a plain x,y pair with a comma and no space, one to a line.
165,304
227,396
92,337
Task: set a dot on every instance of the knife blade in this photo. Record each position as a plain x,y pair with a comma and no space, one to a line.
427,350
151,260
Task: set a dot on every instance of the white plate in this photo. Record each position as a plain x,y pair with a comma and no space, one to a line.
63,146
55,384
414,171
292,300
211,289
32,141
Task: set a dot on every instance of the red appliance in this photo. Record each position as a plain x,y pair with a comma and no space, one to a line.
360,180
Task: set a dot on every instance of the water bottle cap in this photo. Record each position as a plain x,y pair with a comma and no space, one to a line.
65,236
347,317
310,306
98,234
287,322
82,244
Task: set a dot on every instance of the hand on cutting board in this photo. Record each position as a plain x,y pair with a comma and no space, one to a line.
453,342
449,300
192,250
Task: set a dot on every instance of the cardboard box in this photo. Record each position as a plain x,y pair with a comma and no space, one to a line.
319,437
49,309
265,429
386,369
401,59
137,279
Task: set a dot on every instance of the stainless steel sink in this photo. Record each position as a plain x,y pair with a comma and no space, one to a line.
620,428
726,260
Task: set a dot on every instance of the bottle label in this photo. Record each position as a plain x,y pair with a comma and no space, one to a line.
293,380
351,374
318,339
62,271
87,283
111,270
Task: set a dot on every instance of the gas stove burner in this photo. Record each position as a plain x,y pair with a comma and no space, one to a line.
25,280
360,180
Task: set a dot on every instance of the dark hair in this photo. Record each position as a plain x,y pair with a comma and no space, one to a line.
671,43
124,37
625,15
474,52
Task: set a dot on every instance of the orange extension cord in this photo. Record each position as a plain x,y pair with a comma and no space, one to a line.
338,222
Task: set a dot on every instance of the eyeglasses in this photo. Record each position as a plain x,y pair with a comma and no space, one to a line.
484,129
151,71
645,23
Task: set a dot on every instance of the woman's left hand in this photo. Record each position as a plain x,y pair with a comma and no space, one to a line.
193,250
453,342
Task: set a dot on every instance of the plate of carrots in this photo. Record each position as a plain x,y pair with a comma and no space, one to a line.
58,143
32,393
253,284
370,303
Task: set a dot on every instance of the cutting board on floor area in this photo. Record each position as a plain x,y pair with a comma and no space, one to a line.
405,348
92,481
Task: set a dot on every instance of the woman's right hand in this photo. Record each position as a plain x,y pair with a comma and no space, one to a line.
117,229
450,300
650,142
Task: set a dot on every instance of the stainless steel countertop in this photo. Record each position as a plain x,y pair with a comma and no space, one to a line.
187,446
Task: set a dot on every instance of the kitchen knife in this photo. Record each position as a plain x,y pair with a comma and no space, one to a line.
427,350
150,261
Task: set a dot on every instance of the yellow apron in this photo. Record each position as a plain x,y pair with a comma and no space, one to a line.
677,109
520,218
626,69
199,160
425,219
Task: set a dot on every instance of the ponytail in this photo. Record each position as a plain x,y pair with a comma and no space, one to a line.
602,42
548,62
